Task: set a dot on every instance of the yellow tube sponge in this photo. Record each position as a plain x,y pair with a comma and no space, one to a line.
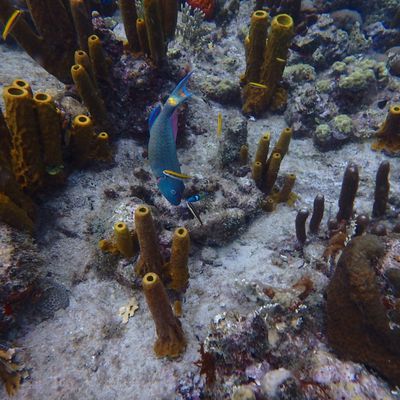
282,145
285,194
98,59
257,172
257,98
178,264
13,215
82,22
255,46
22,84
26,155
103,148
142,33
89,94
82,139
154,27
388,135
82,58
263,148
50,132
150,256
169,12
170,338
52,40
5,142
129,17
124,240
272,172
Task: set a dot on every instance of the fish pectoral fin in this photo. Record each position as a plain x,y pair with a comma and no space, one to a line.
176,175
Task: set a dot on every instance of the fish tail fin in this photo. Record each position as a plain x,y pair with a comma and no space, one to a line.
181,92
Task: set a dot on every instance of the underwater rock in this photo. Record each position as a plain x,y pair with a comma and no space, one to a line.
19,271
394,60
323,43
234,136
358,326
382,38
346,18
224,91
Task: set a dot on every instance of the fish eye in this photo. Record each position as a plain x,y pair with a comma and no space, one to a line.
173,192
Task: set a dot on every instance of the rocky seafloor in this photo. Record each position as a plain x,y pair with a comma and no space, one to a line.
255,313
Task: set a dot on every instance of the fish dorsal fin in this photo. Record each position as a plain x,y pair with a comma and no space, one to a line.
155,112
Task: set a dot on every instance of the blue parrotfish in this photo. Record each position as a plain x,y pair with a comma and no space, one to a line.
162,148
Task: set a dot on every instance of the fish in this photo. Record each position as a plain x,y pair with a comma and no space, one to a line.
196,197
176,175
219,125
194,212
258,85
162,148
15,16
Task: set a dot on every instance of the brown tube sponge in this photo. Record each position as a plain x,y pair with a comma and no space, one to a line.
348,192
26,154
255,47
50,130
318,213
150,256
170,338
129,17
154,27
382,187
142,33
82,22
89,94
301,219
178,264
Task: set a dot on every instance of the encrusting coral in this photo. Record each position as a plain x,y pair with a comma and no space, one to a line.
260,92
170,338
388,135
